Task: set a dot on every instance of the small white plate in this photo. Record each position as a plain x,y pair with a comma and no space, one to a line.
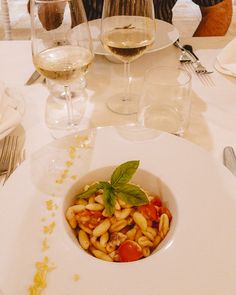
166,34
13,111
198,257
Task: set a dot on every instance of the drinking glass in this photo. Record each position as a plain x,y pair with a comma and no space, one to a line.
61,48
166,100
127,30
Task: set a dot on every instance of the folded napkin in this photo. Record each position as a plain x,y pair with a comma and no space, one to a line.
11,110
226,59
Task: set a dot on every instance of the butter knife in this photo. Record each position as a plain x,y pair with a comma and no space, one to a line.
33,78
229,159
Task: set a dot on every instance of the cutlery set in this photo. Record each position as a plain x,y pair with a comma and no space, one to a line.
11,156
192,63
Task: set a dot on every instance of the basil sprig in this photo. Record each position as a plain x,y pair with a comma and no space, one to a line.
118,187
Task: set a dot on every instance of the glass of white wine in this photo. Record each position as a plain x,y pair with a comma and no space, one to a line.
62,50
127,30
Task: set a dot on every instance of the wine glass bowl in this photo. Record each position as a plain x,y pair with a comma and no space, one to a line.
127,30
129,38
61,47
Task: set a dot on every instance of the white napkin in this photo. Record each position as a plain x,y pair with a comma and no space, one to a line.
12,109
226,59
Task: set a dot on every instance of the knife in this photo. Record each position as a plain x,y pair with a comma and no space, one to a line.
33,78
229,159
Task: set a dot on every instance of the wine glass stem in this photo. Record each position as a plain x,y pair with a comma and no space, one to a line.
69,106
128,81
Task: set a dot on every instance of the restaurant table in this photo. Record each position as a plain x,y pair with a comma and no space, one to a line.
213,114
201,243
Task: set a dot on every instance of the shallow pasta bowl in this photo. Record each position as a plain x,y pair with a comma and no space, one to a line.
148,182
198,256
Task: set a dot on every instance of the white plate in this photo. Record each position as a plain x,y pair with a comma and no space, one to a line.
13,111
199,257
166,34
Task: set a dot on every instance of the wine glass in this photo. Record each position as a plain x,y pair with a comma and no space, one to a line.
127,30
62,49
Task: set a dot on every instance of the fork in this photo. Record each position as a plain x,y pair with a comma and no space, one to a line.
199,68
8,157
192,62
184,57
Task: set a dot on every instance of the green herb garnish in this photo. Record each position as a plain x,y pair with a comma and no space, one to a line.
118,187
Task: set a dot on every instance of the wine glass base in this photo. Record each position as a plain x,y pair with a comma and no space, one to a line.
56,115
56,132
123,106
60,133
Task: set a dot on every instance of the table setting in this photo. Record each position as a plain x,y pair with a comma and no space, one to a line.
179,222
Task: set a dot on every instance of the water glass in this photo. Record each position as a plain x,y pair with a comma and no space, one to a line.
166,100
62,52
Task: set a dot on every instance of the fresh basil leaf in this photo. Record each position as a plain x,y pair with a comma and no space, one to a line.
90,191
109,200
105,184
123,173
132,194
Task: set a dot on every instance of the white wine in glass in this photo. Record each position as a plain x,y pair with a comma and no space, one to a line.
127,30
61,47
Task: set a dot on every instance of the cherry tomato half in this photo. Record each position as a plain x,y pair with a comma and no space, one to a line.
149,211
129,251
156,202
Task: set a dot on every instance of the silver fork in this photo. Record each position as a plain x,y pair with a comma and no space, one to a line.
186,61
199,68
8,157
184,57
192,64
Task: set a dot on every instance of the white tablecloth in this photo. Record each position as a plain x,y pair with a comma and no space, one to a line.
213,117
